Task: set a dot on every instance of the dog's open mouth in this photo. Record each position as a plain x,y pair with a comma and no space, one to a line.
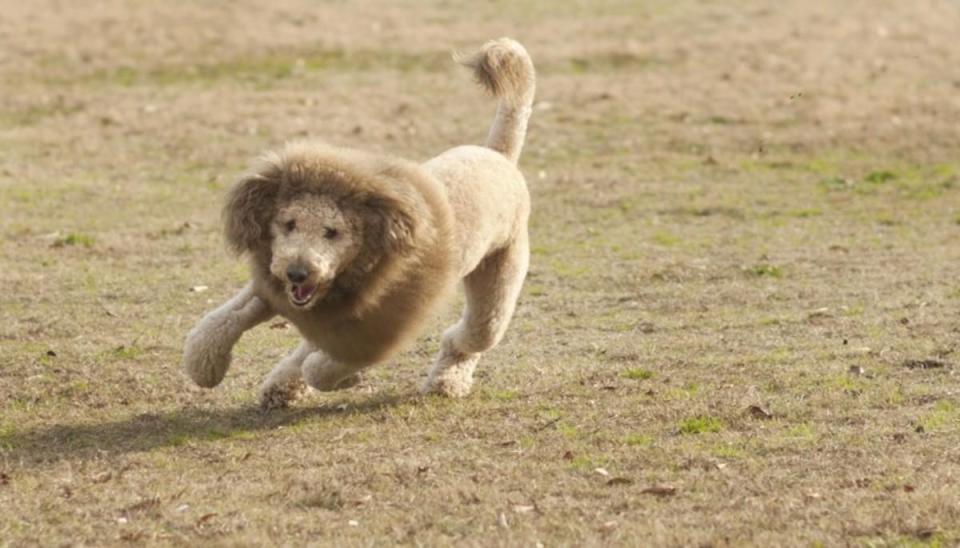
302,294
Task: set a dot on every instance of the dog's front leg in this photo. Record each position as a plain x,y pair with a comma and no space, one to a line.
207,351
284,384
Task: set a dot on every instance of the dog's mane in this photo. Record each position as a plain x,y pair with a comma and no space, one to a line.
406,218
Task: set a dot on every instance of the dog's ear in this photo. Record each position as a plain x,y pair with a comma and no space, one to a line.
395,223
249,208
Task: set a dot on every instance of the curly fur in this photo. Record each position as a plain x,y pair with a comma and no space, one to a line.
383,241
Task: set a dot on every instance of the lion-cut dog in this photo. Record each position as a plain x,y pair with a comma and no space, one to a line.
357,250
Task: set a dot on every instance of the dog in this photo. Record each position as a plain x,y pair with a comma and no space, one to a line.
358,250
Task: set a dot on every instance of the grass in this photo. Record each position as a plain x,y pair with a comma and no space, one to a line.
765,271
75,239
700,425
727,283
638,374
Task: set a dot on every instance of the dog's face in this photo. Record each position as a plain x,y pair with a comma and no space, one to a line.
312,241
317,229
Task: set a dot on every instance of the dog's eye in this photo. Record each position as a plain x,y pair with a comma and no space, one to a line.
330,233
290,225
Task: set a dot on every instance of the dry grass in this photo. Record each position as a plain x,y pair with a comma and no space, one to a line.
745,247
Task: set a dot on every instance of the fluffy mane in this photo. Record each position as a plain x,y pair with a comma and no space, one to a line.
404,211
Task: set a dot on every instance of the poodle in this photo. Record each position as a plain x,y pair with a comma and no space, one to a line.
357,250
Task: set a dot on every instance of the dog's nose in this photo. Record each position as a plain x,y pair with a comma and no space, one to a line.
296,273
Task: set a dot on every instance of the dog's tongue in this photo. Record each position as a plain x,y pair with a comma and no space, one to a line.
302,292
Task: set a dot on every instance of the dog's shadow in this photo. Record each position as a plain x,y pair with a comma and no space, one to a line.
148,431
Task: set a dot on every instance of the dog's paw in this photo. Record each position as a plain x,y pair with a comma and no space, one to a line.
278,395
451,377
451,388
204,363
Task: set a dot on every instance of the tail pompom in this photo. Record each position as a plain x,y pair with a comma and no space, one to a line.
504,68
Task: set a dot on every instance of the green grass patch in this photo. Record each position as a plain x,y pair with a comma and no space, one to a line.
701,425
880,177
801,431
638,440
125,352
637,374
765,271
945,414
75,239
568,431
665,239
270,67
505,395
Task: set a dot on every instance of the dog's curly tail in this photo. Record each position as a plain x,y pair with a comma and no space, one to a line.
504,68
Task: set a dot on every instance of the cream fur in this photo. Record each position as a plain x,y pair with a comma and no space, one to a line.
358,250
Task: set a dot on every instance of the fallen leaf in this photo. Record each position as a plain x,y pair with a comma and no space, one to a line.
4,478
502,520
758,412
660,490
353,523
819,313
362,500
204,519
568,455
909,488
602,471
102,477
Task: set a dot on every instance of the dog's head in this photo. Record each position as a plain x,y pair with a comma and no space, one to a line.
311,227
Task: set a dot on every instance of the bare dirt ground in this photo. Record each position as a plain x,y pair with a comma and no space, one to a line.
740,327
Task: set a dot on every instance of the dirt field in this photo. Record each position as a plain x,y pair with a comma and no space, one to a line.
740,327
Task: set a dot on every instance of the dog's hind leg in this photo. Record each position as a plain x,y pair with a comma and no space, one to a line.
492,290
284,384
326,374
